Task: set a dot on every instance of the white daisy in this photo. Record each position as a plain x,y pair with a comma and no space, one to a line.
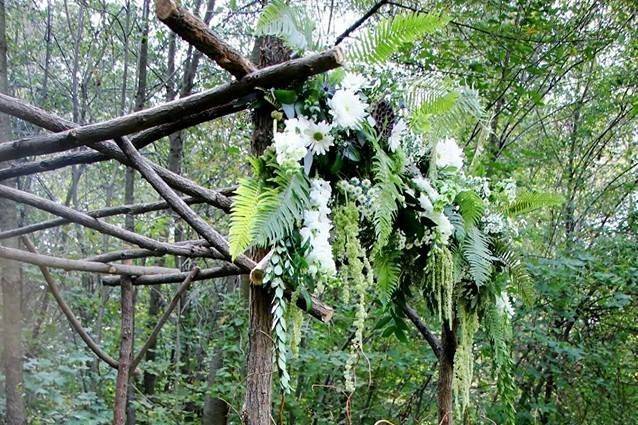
347,109
448,154
354,82
318,137
394,141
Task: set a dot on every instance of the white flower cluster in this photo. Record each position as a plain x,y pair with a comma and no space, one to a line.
508,186
447,153
361,192
316,229
504,305
302,134
346,107
428,197
494,223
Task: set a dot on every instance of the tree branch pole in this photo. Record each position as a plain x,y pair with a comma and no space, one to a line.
130,254
126,352
223,270
179,206
79,265
96,224
66,310
316,309
24,111
160,323
134,209
197,33
273,76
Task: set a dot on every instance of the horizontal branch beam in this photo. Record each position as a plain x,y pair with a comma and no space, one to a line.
73,321
197,33
130,254
317,309
111,150
79,265
133,209
94,223
223,270
273,76
15,107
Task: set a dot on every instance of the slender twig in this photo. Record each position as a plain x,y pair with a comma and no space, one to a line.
73,321
160,323
360,21
432,340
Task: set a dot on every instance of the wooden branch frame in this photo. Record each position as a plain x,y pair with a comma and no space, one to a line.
24,111
270,77
93,223
223,270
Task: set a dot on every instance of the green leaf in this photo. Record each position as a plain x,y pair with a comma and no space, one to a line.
531,201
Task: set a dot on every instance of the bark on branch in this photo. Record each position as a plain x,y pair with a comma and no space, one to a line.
273,76
73,321
79,265
130,254
223,270
96,224
134,209
22,110
197,33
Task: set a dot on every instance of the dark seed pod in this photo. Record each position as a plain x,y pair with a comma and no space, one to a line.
384,117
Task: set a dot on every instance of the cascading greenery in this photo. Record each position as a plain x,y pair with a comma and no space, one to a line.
406,217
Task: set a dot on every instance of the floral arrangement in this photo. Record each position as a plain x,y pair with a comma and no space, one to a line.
363,196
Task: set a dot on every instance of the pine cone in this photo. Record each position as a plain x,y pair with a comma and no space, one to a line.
384,117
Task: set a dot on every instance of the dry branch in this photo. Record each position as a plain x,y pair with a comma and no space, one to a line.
94,223
73,321
223,270
197,33
130,254
133,209
78,265
24,111
274,76
160,323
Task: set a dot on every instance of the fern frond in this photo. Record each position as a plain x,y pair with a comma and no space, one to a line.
243,215
477,253
471,207
378,44
440,108
387,270
286,22
530,201
279,209
517,271
389,186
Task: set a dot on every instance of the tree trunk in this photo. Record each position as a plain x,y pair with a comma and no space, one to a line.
10,273
446,374
215,409
258,401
